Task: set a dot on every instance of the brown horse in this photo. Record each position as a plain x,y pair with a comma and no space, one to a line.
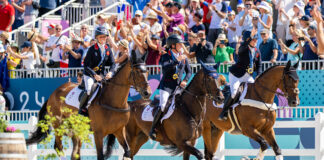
183,127
109,111
255,123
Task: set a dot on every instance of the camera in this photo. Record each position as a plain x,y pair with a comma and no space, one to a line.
301,38
248,6
222,42
255,18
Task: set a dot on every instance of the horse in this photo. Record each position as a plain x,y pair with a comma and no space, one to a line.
108,112
183,127
255,123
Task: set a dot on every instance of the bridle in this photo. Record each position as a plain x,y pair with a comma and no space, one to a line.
285,88
136,84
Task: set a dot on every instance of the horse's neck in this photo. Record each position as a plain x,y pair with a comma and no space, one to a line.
195,104
116,92
265,87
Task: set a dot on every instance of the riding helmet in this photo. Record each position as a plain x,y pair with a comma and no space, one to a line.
101,31
174,39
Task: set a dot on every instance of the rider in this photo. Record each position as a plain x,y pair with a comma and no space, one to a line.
98,57
174,64
249,61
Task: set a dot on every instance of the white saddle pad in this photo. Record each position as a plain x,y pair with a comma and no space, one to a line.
251,102
147,114
72,97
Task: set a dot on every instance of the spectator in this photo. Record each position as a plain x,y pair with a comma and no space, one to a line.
100,22
147,11
123,51
268,47
51,32
46,6
203,49
153,49
4,37
12,61
231,32
139,25
74,54
294,51
55,45
199,26
304,22
191,11
85,39
20,7
79,77
320,32
265,19
156,28
174,19
245,20
27,56
310,47
7,16
222,53
218,13
206,20
30,11
180,30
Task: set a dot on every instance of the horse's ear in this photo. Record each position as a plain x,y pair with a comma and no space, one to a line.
296,65
216,65
133,57
287,68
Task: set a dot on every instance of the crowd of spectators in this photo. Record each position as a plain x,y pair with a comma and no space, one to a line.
287,30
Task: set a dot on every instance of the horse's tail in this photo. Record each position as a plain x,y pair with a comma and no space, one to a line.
39,135
173,150
110,144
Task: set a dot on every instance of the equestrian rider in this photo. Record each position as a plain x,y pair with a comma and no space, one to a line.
98,57
174,64
249,60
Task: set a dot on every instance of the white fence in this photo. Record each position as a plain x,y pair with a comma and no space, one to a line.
153,69
302,112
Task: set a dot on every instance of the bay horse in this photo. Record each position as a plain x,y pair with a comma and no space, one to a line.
255,123
183,127
109,111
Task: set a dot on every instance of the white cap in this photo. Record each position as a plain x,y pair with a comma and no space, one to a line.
255,13
2,48
241,5
264,5
300,5
139,12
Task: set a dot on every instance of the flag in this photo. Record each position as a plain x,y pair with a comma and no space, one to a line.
64,69
120,15
4,74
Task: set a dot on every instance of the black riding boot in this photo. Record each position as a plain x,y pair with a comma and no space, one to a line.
227,104
157,118
83,104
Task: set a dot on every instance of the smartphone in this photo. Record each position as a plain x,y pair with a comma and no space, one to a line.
222,41
248,6
301,38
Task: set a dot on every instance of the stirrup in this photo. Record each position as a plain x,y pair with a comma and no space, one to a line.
83,112
153,135
223,116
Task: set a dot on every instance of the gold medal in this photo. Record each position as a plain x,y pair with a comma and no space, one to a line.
250,70
96,69
175,76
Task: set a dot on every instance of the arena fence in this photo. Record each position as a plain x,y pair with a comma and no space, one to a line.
26,120
153,69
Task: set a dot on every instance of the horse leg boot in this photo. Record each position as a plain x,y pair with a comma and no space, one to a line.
83,104
157,117
227,104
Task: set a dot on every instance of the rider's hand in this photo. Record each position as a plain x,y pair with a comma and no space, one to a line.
98,78
108,76
183,84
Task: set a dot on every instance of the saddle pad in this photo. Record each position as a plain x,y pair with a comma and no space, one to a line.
147,114
252,103
72,97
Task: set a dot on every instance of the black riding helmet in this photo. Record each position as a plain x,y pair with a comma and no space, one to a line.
101,31
174,39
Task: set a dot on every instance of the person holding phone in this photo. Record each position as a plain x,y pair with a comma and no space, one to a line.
245,20
218,14
221,52
294,51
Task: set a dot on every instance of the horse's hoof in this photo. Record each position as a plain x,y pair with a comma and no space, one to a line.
279,157
245,158
127,158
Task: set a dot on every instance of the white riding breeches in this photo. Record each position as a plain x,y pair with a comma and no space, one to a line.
88,83
235,82
164,96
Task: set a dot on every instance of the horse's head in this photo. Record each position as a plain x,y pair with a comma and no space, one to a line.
138,77
210,82
290,84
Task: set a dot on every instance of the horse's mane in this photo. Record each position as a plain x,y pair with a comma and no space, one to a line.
193,79
266,71
121,66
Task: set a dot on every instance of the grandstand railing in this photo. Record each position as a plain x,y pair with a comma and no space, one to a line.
153,69
22,28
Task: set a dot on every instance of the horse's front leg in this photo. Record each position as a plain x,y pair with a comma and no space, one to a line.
269,136
121,137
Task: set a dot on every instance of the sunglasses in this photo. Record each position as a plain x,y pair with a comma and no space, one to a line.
262,34
138,16
58,29
84,28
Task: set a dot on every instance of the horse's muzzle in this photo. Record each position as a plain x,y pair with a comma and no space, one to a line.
293,103
146,95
